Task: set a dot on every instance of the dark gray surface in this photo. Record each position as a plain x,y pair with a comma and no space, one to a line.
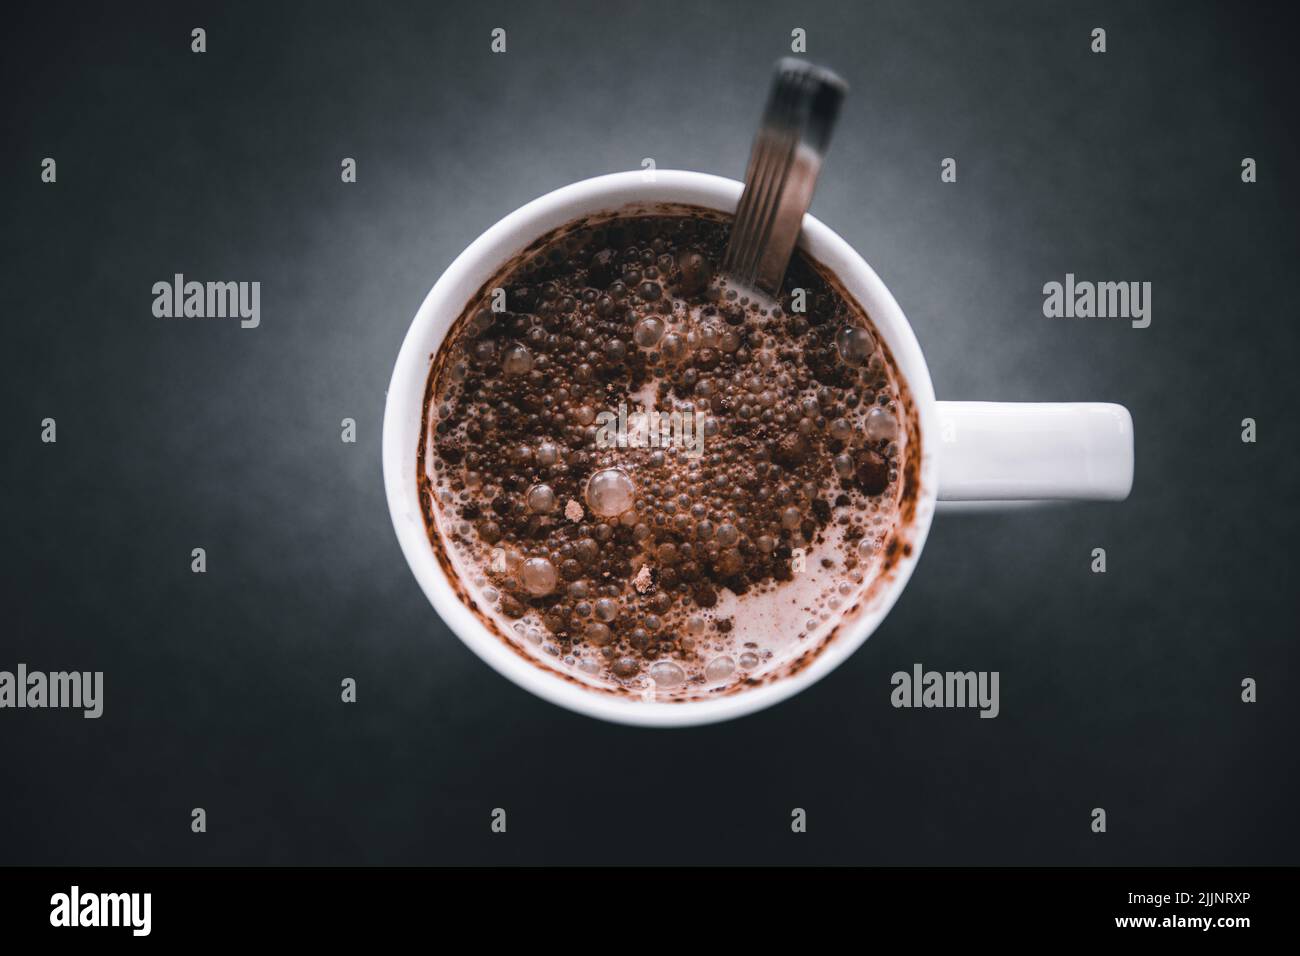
222,690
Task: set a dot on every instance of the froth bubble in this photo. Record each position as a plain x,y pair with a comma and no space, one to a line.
517,360
626,666
610,492
720,668
598,634
648,332
673,346
538,576
667,674
881,424
855,345
541,499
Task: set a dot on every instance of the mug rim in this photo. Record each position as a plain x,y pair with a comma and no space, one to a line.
445,302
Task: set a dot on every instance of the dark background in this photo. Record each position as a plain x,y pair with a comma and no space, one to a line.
1119,690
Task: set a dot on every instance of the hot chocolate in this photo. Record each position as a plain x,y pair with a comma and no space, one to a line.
655,482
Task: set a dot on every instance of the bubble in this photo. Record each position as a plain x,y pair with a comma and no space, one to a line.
541,499
855,345
597,634
606,610
586,550
720,668
610,492
517,360
667,674
647,332
538,576
672,347
695,624
626,667
840,429
881,424
548,453
791,518
749,660
843,464
727,534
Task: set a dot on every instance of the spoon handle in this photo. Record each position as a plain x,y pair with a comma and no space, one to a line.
783,166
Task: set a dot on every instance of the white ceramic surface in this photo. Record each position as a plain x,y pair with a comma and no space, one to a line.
970,451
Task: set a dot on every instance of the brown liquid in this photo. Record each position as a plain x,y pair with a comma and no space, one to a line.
710,545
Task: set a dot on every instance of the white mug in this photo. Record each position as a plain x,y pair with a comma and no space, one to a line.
973,453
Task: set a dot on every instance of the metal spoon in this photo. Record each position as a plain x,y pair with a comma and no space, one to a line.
783,166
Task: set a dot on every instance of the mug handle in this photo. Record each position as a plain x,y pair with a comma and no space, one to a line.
1034,451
